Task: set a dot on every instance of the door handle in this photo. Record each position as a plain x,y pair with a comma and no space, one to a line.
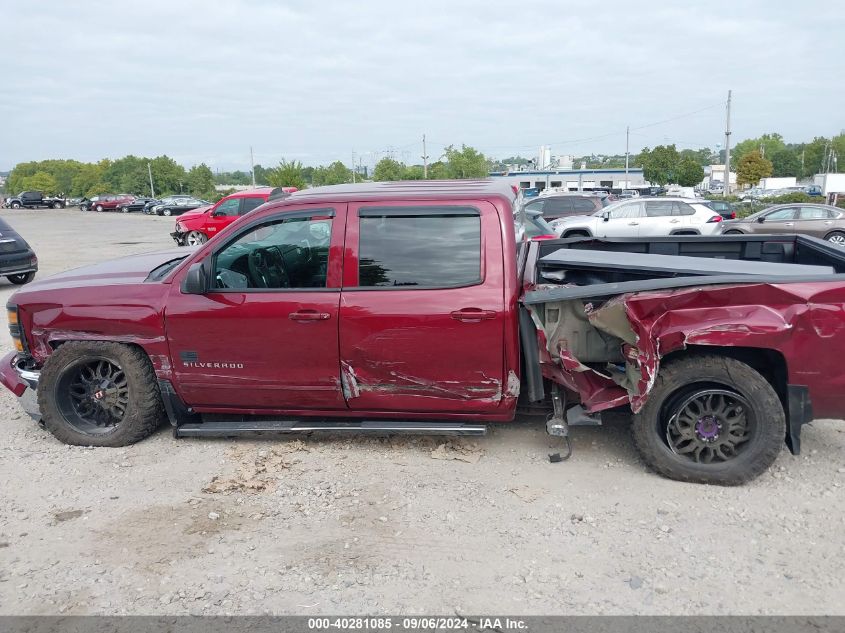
473,315
308,315
633,223
789,223
673,221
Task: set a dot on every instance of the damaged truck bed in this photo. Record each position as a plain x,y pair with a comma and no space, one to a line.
411,308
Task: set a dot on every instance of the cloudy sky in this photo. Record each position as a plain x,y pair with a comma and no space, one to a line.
317,81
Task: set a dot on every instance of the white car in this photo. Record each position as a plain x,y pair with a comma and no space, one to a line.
643,217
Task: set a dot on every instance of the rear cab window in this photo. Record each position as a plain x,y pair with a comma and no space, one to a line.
419,247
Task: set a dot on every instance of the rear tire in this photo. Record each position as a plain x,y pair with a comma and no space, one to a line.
58,205
166,212
98,208
837,237
21,279
99,394
727,438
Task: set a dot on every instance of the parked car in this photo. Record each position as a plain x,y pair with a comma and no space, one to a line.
818,220
629,193
724,208
643,217
152,204
561,205
106,202
136,204
179,205
195,227
314,313
18,262
35,200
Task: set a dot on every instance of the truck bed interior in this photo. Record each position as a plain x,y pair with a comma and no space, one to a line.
586,268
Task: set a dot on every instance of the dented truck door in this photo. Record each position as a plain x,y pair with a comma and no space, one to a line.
422,309
264,334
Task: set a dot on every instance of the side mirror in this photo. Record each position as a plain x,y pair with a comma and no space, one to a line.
761,219
196,281
217,214
605,216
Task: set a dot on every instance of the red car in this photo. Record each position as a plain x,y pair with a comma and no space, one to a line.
411,308
196,226
110,202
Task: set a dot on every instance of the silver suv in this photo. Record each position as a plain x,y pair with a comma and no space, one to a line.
643,217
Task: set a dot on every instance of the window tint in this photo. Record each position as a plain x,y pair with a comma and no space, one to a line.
557,207
536,205
418,247
815,213
286,253
251,203
229,207
629,210
583,205
782,214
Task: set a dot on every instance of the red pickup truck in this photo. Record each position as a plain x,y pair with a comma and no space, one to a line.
410,308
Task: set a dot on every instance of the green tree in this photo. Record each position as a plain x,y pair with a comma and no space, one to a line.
659,164
689,173
388,169
752,167
201,180
41,181
260,175
767,145
466,162
335,174
701,157
287,174
786,162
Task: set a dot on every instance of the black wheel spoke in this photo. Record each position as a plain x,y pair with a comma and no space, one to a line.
709,426
97,394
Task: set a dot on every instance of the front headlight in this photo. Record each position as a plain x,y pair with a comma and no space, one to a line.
179,228
15,327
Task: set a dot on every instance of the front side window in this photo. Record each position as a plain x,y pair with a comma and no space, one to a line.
281,254
781,214
536,205
629,210
583,206
419,247
557,207
229,207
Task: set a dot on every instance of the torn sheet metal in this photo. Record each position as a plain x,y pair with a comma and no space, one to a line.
635,331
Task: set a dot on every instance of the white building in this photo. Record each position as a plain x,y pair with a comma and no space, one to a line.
574,179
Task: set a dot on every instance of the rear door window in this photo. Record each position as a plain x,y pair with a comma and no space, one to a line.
815,213
422,247
557,207
250,204
584,206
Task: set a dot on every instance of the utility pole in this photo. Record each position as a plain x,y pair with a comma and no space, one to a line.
425,161
150,172
727,190
353,166
627,140
252,165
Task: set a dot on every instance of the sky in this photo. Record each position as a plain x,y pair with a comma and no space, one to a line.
322,81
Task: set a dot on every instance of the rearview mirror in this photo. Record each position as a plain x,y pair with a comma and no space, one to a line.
605,215
196,281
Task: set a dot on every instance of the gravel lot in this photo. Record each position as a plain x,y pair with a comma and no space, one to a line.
394,525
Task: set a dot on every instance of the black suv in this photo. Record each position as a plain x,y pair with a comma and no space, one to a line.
563,205
18,262
35,200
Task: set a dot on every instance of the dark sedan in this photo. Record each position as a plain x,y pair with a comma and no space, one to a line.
818,220
723,208
18,262
135,205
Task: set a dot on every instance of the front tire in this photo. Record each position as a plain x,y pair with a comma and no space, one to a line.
710,419
16,205
195,238
577,234
733,232
58,205
21,279
98,208
99,394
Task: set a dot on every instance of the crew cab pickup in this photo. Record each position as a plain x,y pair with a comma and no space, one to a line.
35,200
411,308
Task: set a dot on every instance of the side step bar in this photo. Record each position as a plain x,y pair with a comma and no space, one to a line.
374,427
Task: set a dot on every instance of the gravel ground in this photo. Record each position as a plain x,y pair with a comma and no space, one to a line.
397,525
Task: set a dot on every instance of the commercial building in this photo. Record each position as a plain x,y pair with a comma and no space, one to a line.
574,179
